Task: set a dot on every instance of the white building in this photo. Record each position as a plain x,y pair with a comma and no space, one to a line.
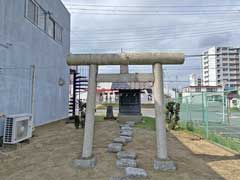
199,89
194,93
34,33
220,66
195,80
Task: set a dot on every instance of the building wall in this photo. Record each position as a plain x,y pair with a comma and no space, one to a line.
212,67
209,68
27,45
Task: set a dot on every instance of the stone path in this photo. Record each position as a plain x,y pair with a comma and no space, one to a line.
126,159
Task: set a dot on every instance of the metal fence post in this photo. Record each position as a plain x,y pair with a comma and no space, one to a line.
206,113
190,108
223,101
228,111
187,109
203,110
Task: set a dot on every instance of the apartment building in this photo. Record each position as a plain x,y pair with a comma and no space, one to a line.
34,33
220,66
195,80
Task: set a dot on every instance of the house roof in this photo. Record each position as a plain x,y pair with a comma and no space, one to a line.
203,87
131,85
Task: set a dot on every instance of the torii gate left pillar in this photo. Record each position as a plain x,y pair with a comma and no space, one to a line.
162,161
87,159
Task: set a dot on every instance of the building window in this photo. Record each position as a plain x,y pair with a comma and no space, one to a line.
32,11
198,89
211,90
58,33
38,16
41,19
50,27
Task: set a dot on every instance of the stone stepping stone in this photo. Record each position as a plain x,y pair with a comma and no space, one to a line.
126,155
135,172
130,123
124,125
126,133
119,178
123,163
128,139
121,140
115,147
127,128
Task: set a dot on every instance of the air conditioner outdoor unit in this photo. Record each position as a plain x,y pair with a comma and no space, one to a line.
17,128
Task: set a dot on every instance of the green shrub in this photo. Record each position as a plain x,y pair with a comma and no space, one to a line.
190,126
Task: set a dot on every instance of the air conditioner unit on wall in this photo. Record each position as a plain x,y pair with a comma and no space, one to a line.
17,128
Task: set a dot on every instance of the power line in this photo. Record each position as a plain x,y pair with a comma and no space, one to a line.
207,55
116,50
174,81
179,69
154,29
152,36
153,11
216,21
153,6
155,14
85,41
129,39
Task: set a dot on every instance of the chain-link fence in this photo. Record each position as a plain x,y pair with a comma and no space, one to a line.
215,116
15,90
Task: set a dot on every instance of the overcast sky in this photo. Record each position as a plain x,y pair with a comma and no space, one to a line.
190,26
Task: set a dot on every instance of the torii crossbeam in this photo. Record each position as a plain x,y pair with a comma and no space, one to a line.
157,59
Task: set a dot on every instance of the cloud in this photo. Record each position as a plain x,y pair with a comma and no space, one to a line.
189,34
215,40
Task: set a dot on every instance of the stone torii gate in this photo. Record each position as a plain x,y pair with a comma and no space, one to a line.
162,161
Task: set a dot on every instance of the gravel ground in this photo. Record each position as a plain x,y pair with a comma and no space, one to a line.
49,154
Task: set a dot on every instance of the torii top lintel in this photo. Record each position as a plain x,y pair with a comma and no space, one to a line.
147,58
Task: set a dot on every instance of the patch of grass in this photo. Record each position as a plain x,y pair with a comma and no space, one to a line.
192,128
148,123
116,105
104,105
235,109
228,142
99,118
148,106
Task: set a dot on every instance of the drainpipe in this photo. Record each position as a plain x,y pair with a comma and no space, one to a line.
33,68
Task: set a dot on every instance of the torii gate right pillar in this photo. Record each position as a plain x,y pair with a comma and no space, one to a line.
162,161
